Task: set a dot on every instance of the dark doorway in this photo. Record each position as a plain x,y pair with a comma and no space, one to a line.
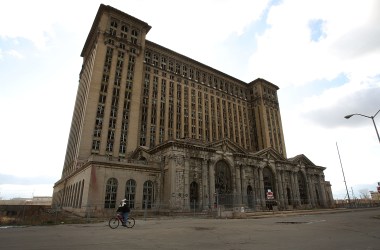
250,196
289,194
302,188
318,198
223,184
194,194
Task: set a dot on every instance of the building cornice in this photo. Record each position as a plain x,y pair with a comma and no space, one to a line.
109,9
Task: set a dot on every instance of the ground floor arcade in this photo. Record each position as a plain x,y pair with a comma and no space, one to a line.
186,175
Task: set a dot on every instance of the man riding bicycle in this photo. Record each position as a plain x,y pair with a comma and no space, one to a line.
124,210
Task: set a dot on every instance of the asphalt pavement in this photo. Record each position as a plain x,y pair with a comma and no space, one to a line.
335,229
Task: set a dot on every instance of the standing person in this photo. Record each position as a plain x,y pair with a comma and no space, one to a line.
124,209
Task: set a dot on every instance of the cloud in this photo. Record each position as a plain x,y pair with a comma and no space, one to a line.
39,21
363,39
286,55
15,53
329,109
200,28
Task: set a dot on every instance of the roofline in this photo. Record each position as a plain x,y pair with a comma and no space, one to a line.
201,65
263,80
106,8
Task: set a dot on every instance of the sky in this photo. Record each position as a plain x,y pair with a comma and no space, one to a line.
323,55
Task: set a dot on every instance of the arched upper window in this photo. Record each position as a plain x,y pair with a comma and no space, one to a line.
124,32
134,36
130,192
148,194
135,33
124,28
113,28
114,24
111,191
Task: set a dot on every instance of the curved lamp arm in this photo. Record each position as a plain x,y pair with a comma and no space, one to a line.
371,117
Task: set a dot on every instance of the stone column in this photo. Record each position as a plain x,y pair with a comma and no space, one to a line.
186,186
243,186
308,191
295,199
256,186
312,191
172,193
237,191
205,192
285,191
262,191
323,191
211,173
297,190
280,197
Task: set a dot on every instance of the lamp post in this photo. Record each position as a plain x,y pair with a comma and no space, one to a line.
371,117
344,177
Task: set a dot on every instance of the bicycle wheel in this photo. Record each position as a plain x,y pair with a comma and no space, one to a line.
130,222
113,222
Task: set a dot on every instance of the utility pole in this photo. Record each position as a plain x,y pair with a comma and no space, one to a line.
344,178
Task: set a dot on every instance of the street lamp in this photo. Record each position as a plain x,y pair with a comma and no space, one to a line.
371,117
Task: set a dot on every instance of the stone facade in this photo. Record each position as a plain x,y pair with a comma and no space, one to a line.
168,132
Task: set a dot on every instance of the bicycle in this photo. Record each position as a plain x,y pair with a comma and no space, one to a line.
115,221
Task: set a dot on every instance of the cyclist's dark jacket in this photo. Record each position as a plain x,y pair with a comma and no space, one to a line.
123,209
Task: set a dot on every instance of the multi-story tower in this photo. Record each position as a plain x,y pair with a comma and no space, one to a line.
106,112
265,117
174,128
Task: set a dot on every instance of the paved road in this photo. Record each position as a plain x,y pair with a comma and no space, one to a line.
351,230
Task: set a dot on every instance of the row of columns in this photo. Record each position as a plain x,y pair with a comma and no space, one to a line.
285,185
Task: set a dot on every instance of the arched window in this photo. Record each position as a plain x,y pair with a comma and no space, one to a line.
148,194
81,194
302,187
130,192
135,33
76,192
111,190
114,24
223,181
113,28
124,28
223,184
134,36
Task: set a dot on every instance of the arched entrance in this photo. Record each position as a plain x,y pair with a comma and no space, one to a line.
223,184
269,187
268,180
